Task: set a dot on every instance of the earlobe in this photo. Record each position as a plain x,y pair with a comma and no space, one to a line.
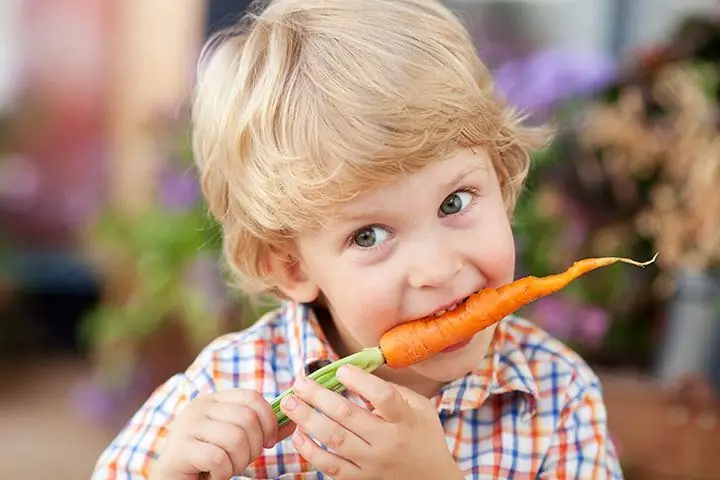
291,277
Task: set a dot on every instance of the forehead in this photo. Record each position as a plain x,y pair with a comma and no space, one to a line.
442,175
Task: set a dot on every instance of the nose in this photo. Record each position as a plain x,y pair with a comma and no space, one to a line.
434,267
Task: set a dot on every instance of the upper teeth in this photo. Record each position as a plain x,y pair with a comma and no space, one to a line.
450,309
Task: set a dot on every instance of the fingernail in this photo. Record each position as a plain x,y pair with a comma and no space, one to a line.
297,438
344,371
300,382
289,403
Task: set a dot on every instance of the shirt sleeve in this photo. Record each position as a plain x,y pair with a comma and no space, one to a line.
581,446
131,454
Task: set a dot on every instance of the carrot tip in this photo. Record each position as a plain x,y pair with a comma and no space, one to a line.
639,264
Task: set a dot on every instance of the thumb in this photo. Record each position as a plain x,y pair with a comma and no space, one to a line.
286,430
413,399
409,395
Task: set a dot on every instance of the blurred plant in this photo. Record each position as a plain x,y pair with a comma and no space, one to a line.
156,248
678,151
550,229
659,152
161,266
572,321
545,81
8,153
634,172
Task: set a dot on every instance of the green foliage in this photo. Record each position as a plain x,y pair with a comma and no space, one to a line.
171,254
535,232
160,246
709,75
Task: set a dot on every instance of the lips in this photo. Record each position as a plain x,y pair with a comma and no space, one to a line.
457,346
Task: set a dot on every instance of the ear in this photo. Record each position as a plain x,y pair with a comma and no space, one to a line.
291,277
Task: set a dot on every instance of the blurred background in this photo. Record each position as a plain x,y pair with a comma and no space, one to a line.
109,272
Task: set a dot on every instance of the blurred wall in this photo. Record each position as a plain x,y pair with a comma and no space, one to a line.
610,26
222,13
655,19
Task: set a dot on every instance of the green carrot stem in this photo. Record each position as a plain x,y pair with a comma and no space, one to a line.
367,359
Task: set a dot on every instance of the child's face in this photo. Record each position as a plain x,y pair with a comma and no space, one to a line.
410,249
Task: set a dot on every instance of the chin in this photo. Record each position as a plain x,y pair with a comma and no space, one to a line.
446,367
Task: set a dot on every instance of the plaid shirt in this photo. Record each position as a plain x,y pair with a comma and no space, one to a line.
531,409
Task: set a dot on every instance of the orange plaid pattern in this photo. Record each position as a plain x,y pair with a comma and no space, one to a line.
531,409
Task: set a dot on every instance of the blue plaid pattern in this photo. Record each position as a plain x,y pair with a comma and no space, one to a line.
531,409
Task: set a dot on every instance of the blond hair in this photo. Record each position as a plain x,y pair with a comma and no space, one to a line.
307,103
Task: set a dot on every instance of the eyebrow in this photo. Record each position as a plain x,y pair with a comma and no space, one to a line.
377,212
464,173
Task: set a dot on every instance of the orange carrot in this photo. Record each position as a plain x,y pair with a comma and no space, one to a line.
412,342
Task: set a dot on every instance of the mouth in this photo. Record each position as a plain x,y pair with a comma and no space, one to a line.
447,308
457,346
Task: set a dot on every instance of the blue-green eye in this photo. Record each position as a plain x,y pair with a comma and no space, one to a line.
370,237
456,202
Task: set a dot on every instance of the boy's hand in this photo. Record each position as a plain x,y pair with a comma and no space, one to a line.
401,438
220,434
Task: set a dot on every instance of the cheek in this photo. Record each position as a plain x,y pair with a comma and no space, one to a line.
362,299
498,267
504,259
364,308
495,254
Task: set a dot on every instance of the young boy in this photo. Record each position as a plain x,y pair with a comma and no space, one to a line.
364,171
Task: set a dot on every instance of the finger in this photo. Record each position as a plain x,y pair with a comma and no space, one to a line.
262,407
243,417
286,430
326,430
232,439
345,413
386,399
327,462
209,458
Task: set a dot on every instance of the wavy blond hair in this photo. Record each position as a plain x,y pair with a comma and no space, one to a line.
307,103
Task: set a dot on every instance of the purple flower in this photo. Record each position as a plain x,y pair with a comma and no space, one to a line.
204,275
20,182
100,402
179,191
591,326
96,402
554,315
576,228
546,78
567,320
